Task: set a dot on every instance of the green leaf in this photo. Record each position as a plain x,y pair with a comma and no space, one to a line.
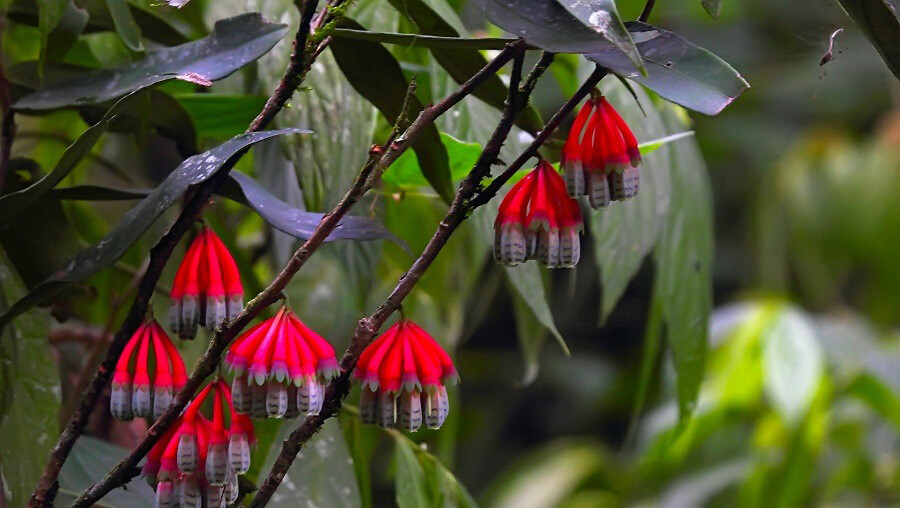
61,39
531,335
136,221
792,364
88,462
233,43
712,7
462,64
361,441
409,478
878,20
300,223
677,70
625,232
50,12
421,40
879,396
683,256
14,203
29,391
602,17
322,475
97,193
374,72
221,116
125,25
406,174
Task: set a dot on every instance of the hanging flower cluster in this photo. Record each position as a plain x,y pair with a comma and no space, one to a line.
405,366
280,368
198,455
134,392
600,157
538,220
207,288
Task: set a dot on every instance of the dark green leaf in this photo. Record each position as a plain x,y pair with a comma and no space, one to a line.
602,17
361,441
12,204
233,43
878,20
374,72
49,14
125,25
137,220
683,256
532,335
29,391
88,462
63,36
713,7
300,223
164,113
422,41
409,477
463,64
96,193
220,116
677,70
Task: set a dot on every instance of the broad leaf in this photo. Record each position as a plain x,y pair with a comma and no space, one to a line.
321,476
462,64
29,392
71,24
553,27
50,12
677,70
125,25
683,256
531,335
422,41
12,204
220,116
406,174
136,221
792,364
878,20
712,7
300,223
374,72
233,43
88,463
625,232
409,478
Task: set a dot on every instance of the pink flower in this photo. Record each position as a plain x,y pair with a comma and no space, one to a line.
207,288
601,156
405,367
538,220
280,368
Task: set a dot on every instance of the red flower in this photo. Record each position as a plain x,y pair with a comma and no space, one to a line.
199,455
538,220
601,156
406,364
280,367
207,288
134,393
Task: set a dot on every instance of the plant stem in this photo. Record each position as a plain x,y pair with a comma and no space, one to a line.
648,8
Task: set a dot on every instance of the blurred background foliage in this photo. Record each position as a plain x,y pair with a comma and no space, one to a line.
799,403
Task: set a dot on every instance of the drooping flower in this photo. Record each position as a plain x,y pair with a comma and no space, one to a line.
404,373
207,290
601,157
538,220
198,455
280,368
134,391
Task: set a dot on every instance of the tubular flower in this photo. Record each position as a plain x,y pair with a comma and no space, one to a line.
280,368
601,156
198,455
207,288
134,391
538,220
405,371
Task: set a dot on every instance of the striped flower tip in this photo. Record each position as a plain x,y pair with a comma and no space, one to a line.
403,375
207,290
601,156
135,393
200,455
538,220
280,368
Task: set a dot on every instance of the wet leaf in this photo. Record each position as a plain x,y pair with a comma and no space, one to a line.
233,43
136,221
462,64
374,72
88,462
676,69
878,20
602,17
300,223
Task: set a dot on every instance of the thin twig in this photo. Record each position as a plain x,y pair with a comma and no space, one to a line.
339,387
648,8
378,161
